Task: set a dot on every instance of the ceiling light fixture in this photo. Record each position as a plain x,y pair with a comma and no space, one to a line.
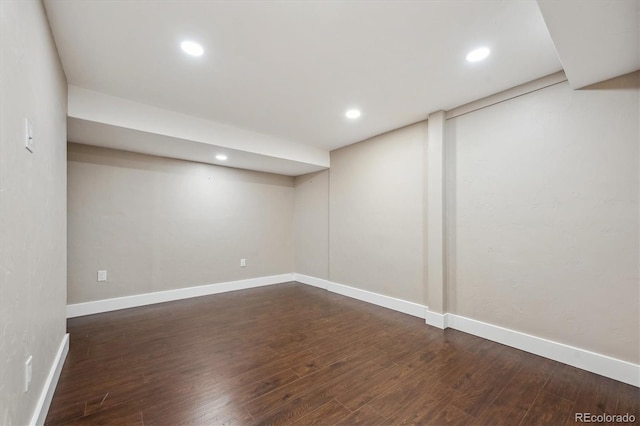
192,48
353,113
478,54
221,157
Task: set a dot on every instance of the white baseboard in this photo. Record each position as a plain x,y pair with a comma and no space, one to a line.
596,363
436,320
306,279
107,305
603,365
389,302
44,401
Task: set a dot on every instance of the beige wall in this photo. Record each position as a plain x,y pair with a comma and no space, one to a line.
32,206
157,224
544,221
311,224
376,214
543,216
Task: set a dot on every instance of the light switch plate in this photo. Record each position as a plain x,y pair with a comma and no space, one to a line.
29,143
27,372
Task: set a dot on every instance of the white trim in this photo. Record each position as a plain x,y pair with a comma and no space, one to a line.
389,302
107,305
313,281
596,363
436,320
44,401
514,92
603,365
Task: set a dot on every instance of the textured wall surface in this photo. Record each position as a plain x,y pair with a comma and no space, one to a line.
311,224
32,206
158,224
376,214
543,233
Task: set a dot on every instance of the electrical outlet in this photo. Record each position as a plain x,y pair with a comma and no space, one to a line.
102,275
28,136
27,373
243,263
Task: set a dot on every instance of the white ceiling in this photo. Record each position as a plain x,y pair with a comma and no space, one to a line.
596,39
97,119
288,70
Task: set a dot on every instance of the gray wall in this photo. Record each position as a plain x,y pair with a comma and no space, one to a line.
157,224
376,214
32,205
543,233
311,224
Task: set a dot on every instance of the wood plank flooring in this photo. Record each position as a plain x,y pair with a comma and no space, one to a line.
294,354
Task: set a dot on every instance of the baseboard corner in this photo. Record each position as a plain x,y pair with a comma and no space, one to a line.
436,319
312,281
389,302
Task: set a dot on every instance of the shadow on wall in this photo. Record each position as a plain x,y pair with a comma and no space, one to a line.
628,81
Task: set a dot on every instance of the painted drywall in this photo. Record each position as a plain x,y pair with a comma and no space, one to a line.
311,224
158,224
376,214
32,206
543,216
95,117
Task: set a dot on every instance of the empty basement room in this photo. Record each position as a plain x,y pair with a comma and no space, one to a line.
319,212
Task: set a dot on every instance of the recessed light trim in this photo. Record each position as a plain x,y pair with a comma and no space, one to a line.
221,157
353,113
192,48
479,54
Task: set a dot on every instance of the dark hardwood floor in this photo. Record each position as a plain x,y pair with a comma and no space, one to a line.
296,354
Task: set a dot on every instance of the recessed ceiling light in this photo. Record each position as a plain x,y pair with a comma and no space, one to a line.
353,113
221,157
192,48
478,54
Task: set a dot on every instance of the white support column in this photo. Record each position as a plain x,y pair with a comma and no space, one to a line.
435,225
